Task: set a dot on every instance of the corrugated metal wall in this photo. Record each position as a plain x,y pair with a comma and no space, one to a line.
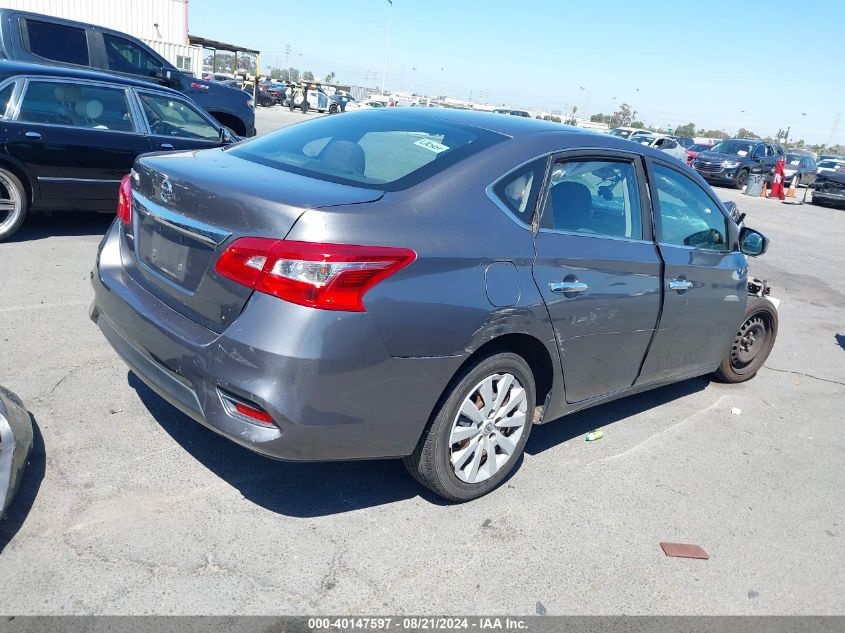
136,17
162,24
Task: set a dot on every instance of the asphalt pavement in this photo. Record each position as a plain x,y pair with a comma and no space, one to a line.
129,507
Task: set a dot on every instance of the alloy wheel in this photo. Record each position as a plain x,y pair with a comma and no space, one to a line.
11,203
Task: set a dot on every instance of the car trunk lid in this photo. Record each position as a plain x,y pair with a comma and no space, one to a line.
188,207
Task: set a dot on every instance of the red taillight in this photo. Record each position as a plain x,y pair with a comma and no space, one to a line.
198,86
325,276
124,200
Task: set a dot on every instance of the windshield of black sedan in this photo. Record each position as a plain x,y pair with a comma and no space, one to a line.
374,150
733,147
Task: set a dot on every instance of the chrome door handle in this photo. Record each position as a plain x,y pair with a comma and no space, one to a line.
33,135
166,146
679,284
568,286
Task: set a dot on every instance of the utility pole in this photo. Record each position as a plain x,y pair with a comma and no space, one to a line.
833,129
387,44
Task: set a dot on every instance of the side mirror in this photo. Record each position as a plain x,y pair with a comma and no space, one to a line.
752,243
227,137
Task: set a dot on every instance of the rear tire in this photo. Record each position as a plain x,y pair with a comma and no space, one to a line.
474,441
13,204
752,344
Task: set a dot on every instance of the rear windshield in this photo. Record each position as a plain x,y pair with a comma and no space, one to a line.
380,150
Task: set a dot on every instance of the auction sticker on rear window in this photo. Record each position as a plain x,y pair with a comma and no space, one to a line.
433,146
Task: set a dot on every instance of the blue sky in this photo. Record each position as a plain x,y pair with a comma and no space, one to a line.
716,63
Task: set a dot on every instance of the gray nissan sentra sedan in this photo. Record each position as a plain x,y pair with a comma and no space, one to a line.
425,284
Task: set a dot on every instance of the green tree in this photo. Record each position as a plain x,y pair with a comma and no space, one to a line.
685,130
743,133
638,124
329,78
623,117
713,134
307,76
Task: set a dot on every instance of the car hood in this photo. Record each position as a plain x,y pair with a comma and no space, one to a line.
717,157
833,176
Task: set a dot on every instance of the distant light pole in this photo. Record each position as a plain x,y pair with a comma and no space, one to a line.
387,44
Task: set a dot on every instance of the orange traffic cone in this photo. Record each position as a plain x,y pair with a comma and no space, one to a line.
764,192
790,193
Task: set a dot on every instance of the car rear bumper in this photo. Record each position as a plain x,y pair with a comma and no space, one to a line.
325,378
15,445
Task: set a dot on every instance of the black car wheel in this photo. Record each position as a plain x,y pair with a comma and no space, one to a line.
741,178
753,342
479,431
266,102
13,204
333,108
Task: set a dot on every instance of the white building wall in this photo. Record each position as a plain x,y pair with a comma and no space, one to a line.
161,24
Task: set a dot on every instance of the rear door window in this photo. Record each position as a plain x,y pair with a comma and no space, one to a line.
594,197
76,105
125,56
58,42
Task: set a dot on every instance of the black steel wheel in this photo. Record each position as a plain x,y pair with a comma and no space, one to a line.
741,178
753,342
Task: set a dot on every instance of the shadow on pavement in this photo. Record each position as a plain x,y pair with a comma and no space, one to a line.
22,503
302,489
556,432
62,223
297,489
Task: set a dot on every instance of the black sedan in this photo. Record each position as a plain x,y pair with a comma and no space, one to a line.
69,136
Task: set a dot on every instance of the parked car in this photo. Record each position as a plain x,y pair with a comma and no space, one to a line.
424,284
684,141
339,102
829,189
365,104
15,445
271,94
800,166
68,136
830,164
36,38
731,161
663,143
627,132
694,150
512,112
